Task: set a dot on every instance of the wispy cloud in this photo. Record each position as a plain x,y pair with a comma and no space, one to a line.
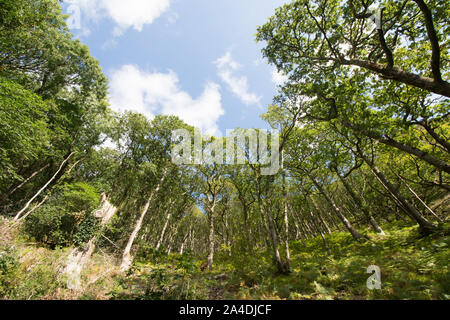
153,92
226,69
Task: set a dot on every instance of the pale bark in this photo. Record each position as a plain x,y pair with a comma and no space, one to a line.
183,244
355,234
425,225
80,257
37,206
26,180
418,198
285,212
282,268
325,242
361,206
168,215
211,238
319,214
127,259
44,187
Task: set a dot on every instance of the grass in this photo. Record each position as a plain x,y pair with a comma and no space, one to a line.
412,267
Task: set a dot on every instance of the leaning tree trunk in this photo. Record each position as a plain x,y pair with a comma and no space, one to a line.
364,209
166,224
316,224
319,214
425,225
422,155
14,189
355,234
80,257
127,259
417,197
185,240
44,187
37,206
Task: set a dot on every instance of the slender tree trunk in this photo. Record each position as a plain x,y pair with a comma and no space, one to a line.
166,224
185,240
355,234
425,225
44,187
211,237
192,240
9,193
285,212
297,230
302,229
305,227
360,205
127,259
417,196
273,235
170,240
316,206
316,224
37,206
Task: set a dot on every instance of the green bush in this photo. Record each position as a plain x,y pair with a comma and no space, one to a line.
66,218
9,267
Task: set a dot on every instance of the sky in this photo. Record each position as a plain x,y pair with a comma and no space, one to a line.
197,59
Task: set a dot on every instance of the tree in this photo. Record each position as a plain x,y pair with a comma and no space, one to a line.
307,37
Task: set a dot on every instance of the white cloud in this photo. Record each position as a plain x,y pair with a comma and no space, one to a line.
125,13
278,78
153,92
227,68
135,13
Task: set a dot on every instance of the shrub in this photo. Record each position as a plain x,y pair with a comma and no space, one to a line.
8,273
66,218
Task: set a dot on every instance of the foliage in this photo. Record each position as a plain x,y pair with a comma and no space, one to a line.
23,129
66,218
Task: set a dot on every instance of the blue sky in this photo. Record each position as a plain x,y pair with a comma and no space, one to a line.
197,59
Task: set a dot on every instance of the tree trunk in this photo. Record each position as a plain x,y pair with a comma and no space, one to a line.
282,268
9,193
44,187
80,257
316,206
325,242
423,155
355,234
32,210
360,205
183,244
127,259
211,238
285,212
417,196
425,225
166,223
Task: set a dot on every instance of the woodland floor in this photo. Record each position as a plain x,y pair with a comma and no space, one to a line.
412,267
